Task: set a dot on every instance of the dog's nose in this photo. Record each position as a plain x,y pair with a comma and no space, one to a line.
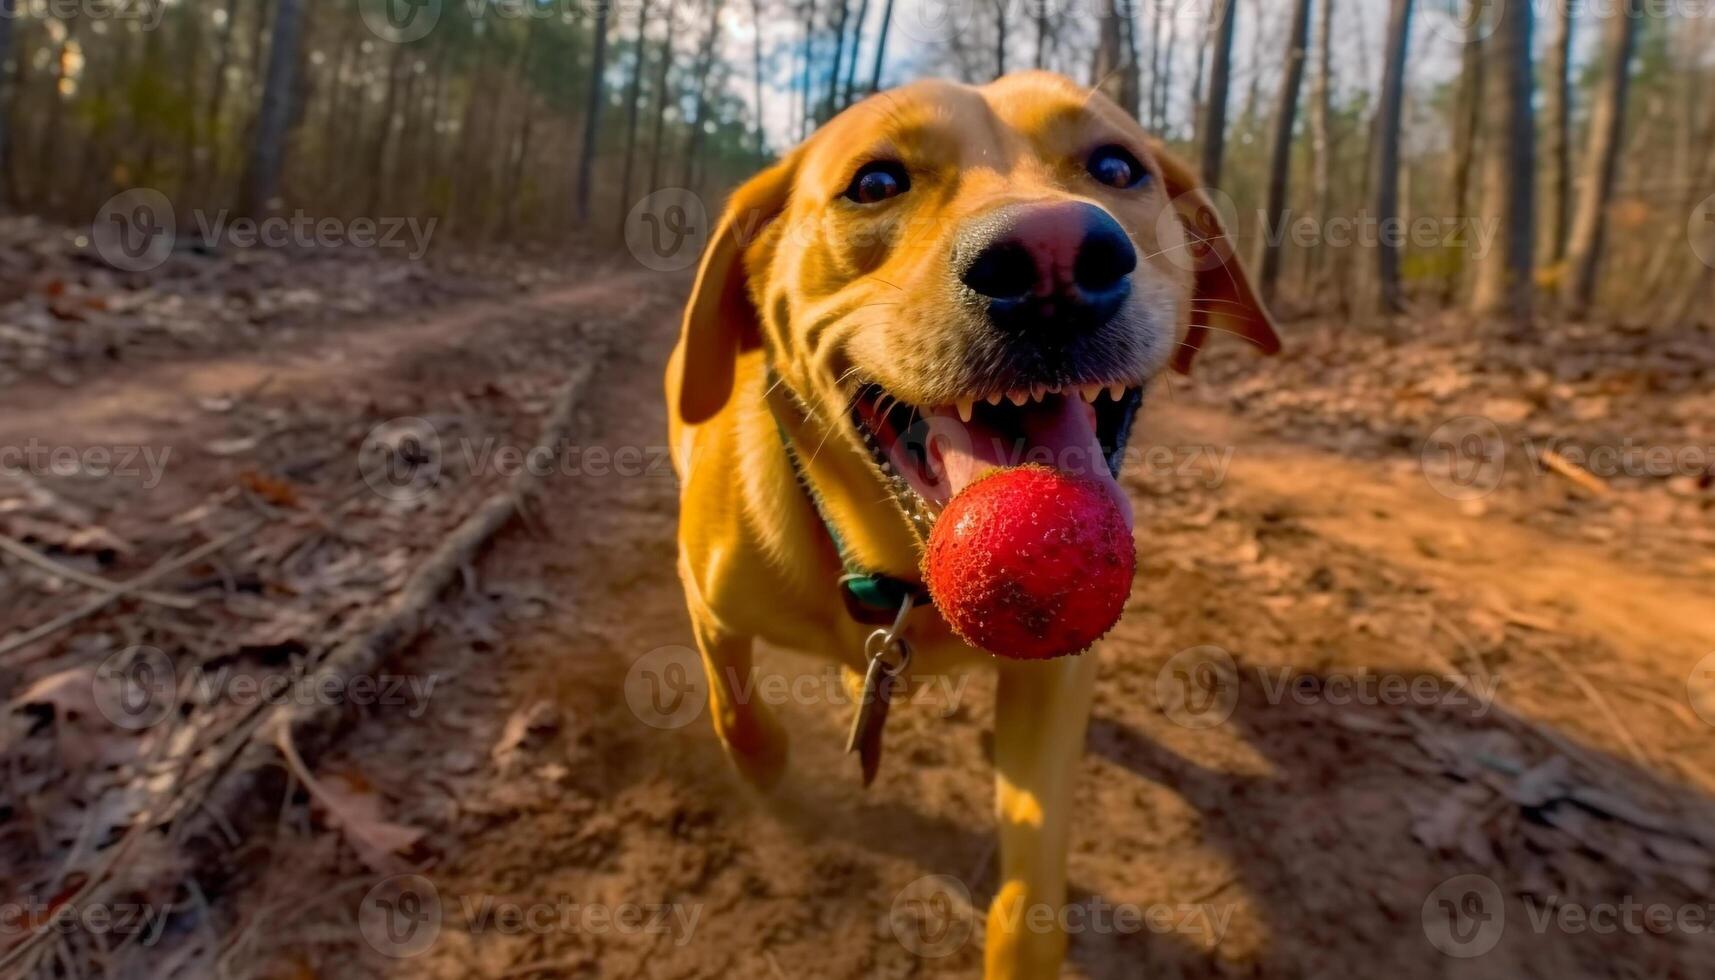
1065,264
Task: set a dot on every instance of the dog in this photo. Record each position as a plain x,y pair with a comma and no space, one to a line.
1014,261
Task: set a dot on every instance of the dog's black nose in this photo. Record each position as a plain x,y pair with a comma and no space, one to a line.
1065,265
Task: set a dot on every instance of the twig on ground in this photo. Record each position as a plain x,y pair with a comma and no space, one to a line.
1580,477
31,556
52,626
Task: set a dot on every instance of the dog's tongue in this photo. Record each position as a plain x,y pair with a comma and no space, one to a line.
1060,432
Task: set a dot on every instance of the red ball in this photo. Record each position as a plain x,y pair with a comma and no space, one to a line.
1031,563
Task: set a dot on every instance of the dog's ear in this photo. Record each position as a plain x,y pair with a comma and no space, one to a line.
1222,298
721,319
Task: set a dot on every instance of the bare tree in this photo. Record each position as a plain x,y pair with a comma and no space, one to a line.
1280,160
634,96
704,68
1559,130
268,145
1321,108
852,62
1504,275
6,17
1384,158
1607,125
1041,17
663,98
597,97
1214,125
881,46
1107,70
1467,128
832,105
756,68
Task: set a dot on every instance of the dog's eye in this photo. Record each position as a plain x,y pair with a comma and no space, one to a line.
1117,168
877,182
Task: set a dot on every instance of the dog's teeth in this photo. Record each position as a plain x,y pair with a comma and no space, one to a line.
964,407
994,399
1018,397
1037,392
1116,391
1090,392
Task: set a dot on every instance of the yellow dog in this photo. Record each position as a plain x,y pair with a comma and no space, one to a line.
1012,263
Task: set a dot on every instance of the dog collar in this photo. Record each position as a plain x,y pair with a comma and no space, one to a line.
871,598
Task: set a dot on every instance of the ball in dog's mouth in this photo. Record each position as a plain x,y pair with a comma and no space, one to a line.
1030,563
1030,554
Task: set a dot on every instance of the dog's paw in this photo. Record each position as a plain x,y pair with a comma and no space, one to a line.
757,748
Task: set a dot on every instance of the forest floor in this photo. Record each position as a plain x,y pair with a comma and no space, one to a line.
1451,709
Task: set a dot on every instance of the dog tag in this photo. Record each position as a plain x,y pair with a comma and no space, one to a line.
888,655
871,719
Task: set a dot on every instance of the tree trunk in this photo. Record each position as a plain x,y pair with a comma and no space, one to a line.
999,38
881,47
1607,126
1167,74
634,95
809,101
268,143
6,18
704,68
830,108
1504,284
592,116
1214,125
1384,159
1467,130
378,177
656,144
1042,36
1198,93
1559,130
852,61
1105,66
1280,161
1321,109
756,58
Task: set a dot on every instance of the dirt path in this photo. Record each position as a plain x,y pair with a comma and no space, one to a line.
1259,799
1348,727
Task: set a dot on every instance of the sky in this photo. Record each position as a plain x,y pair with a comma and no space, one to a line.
915,39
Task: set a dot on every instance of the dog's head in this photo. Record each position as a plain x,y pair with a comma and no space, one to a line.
953,278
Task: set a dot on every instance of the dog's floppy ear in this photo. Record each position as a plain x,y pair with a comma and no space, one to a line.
1222,298
721,318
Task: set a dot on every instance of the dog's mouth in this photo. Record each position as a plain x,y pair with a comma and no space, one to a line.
930,453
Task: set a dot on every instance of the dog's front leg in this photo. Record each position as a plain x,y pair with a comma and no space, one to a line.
747,728
1041,711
